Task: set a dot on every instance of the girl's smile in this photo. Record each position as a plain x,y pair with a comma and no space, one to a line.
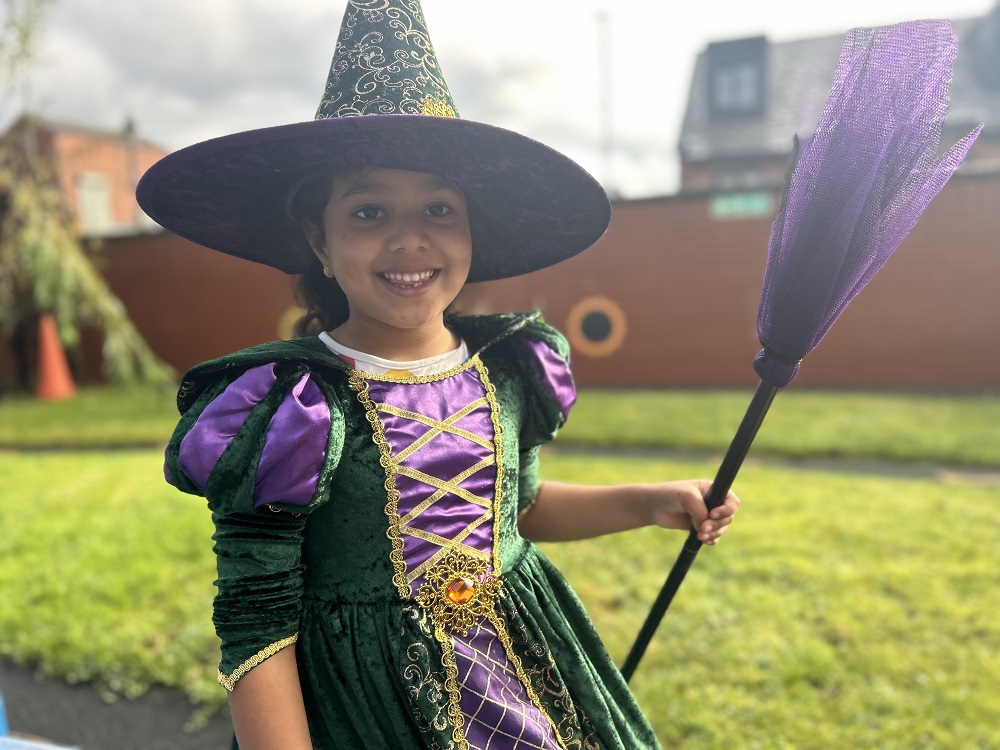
409,282
399,245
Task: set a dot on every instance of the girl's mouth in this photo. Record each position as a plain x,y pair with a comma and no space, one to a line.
410,280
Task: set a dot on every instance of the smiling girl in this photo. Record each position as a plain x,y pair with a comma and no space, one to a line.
375,488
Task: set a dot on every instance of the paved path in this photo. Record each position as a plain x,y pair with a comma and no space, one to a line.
77,716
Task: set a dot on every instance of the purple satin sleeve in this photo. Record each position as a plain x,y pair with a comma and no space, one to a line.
553,373
295,447
222,419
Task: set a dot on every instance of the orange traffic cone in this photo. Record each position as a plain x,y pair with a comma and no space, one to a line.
54,380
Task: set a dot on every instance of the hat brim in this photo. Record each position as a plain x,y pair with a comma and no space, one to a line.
530,206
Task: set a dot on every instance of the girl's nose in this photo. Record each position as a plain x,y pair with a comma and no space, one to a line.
408,233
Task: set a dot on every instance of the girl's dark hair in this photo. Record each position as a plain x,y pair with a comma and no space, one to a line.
324,301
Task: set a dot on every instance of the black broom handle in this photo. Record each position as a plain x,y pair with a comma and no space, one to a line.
724,478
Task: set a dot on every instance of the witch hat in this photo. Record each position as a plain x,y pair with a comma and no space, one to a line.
385,105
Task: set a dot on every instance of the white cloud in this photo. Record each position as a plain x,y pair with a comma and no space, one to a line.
191,69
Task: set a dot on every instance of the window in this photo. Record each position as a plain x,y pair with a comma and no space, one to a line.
736,88
737,78
93,194
596,326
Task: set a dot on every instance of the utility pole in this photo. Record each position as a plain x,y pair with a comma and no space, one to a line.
606,99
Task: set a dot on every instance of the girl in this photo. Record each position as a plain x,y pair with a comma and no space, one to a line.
374,488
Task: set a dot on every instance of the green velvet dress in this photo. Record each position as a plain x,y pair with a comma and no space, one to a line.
371,523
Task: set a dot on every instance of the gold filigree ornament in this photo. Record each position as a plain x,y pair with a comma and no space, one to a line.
436,107
458,592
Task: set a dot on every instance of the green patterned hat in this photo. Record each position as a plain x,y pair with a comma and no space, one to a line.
385,104
385,64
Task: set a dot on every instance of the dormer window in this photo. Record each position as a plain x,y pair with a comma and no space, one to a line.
736,78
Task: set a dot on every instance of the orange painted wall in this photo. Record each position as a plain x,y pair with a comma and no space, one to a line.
687,285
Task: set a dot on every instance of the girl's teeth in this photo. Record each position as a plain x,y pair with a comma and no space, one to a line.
409,278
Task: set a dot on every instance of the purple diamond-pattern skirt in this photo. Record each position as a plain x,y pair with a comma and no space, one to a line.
498,712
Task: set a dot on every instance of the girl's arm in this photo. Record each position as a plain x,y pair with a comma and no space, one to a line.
566,512
267,708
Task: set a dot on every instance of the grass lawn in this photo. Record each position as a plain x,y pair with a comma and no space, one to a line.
97,418
958,430
961,430
842,611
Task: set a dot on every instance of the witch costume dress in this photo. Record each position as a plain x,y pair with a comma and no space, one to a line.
371,522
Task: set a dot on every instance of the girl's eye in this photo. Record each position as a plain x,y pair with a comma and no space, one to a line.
439,209
368,213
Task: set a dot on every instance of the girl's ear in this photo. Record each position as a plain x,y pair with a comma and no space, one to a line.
316,240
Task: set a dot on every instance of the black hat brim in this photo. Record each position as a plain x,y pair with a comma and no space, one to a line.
530,206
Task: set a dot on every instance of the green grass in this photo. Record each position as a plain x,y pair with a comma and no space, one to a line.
956,430
106,572
102,417
959,430
841,611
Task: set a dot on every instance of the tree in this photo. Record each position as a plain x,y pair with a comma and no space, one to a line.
43,266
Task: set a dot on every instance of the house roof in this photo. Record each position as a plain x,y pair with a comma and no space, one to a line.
797,78
57,126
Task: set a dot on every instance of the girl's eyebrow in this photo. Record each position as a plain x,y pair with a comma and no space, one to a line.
363,187
440,183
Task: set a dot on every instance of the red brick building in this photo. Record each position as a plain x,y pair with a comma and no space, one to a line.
97,171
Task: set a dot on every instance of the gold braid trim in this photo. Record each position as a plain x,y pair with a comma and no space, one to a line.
418,379
491,399
357,381
229,683
451,687
504,637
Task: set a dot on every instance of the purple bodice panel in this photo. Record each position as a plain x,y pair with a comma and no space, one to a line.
441,437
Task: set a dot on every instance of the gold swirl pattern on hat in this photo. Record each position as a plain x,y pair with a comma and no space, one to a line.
385,63
436,108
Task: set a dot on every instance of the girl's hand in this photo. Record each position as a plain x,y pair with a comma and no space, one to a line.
681,505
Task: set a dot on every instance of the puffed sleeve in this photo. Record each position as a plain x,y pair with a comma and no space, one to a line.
549,395
261,447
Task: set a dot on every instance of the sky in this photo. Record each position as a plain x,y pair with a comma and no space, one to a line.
187,70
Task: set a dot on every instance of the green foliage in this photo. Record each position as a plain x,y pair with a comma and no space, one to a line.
839,612
43,268
961,430
18,32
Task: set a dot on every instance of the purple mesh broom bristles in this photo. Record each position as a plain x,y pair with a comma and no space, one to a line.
855,189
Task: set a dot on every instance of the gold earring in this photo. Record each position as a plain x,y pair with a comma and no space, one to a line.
327,272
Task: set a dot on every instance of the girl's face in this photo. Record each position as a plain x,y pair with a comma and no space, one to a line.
399,245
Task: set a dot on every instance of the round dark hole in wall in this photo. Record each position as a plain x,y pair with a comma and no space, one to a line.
596,326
